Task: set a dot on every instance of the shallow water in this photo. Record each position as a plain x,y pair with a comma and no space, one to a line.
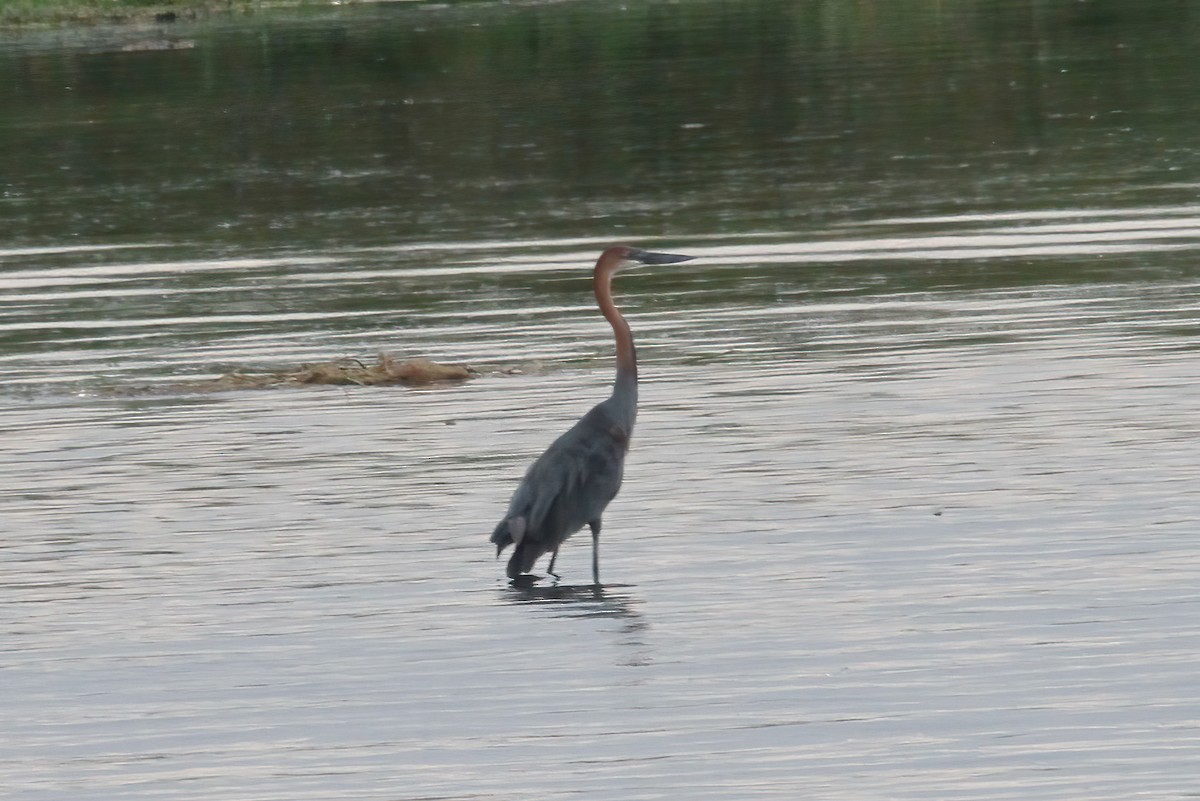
910,510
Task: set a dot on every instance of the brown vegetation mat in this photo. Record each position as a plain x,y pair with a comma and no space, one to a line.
386,371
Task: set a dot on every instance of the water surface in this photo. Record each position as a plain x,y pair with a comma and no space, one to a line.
910,510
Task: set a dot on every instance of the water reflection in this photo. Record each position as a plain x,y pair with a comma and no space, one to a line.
982,277
384,124
575,600
590,602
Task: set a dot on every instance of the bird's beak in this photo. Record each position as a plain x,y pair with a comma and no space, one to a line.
647,257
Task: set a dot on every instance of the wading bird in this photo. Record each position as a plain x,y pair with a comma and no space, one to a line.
570,484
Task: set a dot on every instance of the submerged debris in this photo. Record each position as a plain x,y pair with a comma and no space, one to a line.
387,370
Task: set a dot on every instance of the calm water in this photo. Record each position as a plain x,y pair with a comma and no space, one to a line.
911,510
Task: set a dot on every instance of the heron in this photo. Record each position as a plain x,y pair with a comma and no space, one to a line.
573,481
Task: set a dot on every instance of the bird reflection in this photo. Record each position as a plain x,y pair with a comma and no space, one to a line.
589,602
582,600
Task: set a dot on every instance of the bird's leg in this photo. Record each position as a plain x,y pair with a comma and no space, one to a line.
550,569
595,527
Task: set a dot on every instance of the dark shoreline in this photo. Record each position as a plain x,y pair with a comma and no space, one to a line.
34,14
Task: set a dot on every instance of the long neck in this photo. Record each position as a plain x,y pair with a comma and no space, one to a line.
625,386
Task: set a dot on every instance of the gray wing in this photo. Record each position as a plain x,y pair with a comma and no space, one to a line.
572,482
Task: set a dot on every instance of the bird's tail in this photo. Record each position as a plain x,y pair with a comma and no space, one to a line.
511,531
524,556
502,536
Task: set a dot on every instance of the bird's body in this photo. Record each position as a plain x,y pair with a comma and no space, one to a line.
573,481
568,487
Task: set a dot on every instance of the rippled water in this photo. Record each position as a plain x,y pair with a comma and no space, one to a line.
873,542
910,510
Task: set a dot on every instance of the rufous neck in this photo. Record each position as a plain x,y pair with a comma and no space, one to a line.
626,353
623,402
